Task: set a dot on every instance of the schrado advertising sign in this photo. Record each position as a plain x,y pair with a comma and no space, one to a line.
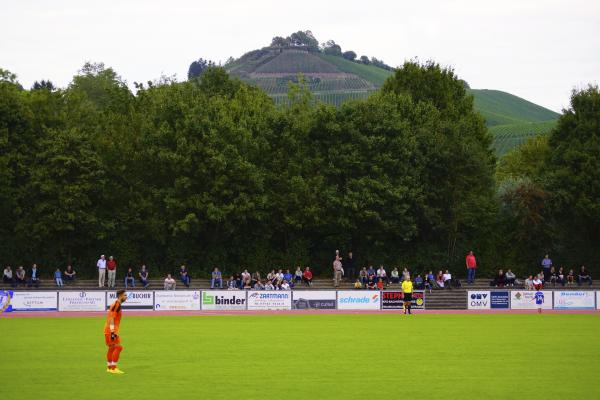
359,300
136,300
35,301
180,300
313,299
223,300
269,300
500,299
478,300
574,299
82,301
5,300
525,300
395,299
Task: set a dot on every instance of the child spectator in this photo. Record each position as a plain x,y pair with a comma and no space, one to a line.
571,277
380,284
285,285
538,284
357,284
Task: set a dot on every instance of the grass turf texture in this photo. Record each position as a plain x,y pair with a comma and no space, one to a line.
306,356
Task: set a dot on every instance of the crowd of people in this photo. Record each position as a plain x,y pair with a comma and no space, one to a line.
367,277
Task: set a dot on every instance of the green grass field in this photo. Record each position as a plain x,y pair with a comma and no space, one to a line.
306,356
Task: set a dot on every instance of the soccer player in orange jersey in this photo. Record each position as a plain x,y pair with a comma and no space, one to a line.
111,333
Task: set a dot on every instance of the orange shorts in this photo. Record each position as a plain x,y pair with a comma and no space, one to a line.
110,342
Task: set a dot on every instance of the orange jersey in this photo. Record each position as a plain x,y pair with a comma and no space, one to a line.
114,313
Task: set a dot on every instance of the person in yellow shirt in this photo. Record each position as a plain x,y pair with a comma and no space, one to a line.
407,289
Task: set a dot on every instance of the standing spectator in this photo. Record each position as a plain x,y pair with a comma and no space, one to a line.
529,283
58,277
471,263
584,276
350,267
7,277
381,274
20,276
298,275
111,267
129,279
216,278
307,277
338,270
546,265
70,274
143,275
538,284
170,282
510,278
561,278
101,264
34,277
184,276
363,276
571,277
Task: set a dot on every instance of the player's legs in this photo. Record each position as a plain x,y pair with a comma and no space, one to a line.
115,358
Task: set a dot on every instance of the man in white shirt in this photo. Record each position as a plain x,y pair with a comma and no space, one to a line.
101,264
447,279
338,271
169,283
382,274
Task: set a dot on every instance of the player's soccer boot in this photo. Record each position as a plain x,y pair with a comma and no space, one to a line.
109,370
117,371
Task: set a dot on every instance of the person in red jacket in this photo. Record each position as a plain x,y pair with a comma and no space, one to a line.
307,276
471,267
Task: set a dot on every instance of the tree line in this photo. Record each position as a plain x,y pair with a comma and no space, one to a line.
209,172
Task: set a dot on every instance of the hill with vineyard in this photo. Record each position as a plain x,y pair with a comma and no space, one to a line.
334,77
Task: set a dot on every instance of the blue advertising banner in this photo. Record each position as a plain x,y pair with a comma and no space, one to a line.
5,299
500,299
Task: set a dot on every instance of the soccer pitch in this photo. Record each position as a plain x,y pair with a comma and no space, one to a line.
306,357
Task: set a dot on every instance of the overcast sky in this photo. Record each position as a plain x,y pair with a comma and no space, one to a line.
536,49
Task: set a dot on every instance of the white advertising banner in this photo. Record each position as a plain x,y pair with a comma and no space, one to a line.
82,301
359,300
136,300
223,300
177,300
34,301
270,300
574,299
525,300
313,299
478,300
598,300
